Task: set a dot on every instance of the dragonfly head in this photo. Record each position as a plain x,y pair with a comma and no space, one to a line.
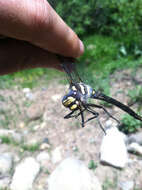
70,101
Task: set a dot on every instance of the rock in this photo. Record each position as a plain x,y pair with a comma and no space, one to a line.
21,125
113,149
24,174
29,95
56,97
32,142
126,185
6,163
44,146
109,123
35,112
26,90
45,116
72,174
17,137
135,148
36,127
4,182
46,140
43,125
56,155
43,158
92,140
137,137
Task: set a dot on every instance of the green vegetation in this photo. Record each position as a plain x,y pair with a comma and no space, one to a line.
135,95
31,148
25,147
109,184
118,19
8,140
103,56
129,124
47,172
92,165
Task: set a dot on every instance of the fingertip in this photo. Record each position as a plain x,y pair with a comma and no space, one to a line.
81,46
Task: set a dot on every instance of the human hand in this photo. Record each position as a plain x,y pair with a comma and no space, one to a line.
36,34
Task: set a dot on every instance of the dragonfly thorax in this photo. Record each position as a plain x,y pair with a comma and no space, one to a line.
78,94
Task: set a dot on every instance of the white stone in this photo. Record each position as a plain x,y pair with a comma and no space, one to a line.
56,155
44,146
137,137
26,90
43,125
29,95
36,127
56,97
72,174
109,123
113,149
6,161
45,116
24,174
135,148
43,158
22,125
126,185
4,182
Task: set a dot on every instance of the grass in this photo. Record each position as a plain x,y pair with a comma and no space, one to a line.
129,124
31,148
92,165
135,95
103,57
109,184
28,78
8,140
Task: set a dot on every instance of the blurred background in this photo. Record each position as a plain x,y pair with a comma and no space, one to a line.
31,114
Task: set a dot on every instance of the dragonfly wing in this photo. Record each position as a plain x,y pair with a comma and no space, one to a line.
69,66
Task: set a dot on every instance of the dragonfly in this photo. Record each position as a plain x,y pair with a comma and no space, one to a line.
77,99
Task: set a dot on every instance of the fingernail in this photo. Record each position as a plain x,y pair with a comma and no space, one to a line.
81,47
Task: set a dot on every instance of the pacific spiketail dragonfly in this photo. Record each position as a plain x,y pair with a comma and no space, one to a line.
77,99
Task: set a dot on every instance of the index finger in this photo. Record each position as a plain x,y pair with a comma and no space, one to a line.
36,21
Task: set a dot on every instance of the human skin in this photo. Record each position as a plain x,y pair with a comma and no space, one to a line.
35,34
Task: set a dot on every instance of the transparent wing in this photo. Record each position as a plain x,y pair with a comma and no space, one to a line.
69,66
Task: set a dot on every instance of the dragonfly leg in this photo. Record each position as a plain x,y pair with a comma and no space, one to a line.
82,116
104,109
76,115
101,126
69,115
96,114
